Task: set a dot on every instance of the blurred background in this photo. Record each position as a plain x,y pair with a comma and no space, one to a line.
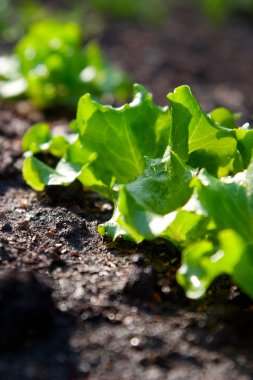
207,44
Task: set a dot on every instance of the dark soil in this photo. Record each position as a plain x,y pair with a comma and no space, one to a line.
76,306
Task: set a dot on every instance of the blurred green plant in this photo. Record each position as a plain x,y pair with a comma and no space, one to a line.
50,66
15,17
141,10
221,10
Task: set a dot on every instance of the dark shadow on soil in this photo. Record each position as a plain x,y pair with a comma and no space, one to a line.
34,334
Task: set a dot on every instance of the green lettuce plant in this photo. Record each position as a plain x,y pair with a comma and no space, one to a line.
175,173
50,66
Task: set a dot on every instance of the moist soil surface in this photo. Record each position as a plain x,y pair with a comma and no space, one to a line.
74,305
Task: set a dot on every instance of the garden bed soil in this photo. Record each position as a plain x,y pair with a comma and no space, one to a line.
75,305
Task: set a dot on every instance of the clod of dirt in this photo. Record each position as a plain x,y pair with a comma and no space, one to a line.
5,254
142,284
139,260
71,194
26,307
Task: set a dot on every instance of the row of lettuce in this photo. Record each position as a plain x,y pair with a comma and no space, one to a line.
175,173
15,15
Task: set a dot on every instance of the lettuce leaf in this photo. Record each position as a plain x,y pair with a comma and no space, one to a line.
113,141
122,137
144,206
195,137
